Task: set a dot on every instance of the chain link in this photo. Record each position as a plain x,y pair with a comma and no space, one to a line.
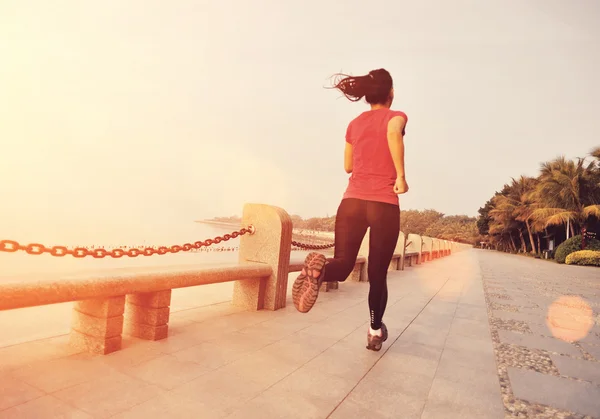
11,246
305,246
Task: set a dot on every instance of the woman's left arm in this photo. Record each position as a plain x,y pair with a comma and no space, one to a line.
348,158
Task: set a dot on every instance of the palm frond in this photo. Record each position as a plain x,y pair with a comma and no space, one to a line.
592,210
559,218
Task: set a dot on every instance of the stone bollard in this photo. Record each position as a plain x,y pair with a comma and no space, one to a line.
401,250
427,248
415,246
271,244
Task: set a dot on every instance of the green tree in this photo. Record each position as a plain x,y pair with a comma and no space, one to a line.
417,222
460,228
518,203
568,193
484,219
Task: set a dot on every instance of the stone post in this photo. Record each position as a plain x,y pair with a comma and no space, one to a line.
416,246
401,249
271,244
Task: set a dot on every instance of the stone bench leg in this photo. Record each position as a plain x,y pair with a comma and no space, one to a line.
328,286
355,275
147,315
97,325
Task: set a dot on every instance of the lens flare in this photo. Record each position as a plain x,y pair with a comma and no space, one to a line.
570,318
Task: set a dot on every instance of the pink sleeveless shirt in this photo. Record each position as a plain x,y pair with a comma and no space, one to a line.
373,172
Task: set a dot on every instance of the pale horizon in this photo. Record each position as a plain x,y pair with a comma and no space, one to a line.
125,115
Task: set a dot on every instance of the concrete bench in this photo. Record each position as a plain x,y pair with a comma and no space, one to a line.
134,301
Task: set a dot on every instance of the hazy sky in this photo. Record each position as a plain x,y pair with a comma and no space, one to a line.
115,114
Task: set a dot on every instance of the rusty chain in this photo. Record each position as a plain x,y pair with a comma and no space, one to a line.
305,246
11,246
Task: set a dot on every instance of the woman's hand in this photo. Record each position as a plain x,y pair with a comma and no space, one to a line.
401,186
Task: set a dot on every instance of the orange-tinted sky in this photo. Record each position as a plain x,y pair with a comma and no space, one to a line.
122,113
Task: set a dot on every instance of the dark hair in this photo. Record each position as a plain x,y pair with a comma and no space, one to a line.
374,87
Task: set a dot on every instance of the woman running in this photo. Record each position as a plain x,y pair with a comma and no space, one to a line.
374,156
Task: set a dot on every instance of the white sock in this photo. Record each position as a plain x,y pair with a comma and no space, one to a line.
375,332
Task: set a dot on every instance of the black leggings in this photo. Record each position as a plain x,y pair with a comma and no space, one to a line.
353,218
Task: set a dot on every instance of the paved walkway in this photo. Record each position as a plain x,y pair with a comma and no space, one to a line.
218,362
536,309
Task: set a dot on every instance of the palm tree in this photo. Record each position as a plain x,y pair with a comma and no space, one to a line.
568,192
519,203
503,223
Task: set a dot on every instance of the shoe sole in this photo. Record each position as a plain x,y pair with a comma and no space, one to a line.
377,346
306,287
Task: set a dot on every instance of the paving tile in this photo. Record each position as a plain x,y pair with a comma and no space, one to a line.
186,338
298,348
475,359
470,328
385,401
134,352
44,407
209,355
295,406
574,396
539,329
170,405
345,361
593,350
335,328
425,335
539,342
469,395
32,352
166,371
53,375
442,321
593,337
264,367
350,409
469,311
577,368
444,308
14,392
221,392
479,344
271,330
107,396
324,390
480,380
395,373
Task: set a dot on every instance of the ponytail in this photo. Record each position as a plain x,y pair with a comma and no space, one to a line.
375,86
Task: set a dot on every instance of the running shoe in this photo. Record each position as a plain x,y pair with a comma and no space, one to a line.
374,342
306,287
